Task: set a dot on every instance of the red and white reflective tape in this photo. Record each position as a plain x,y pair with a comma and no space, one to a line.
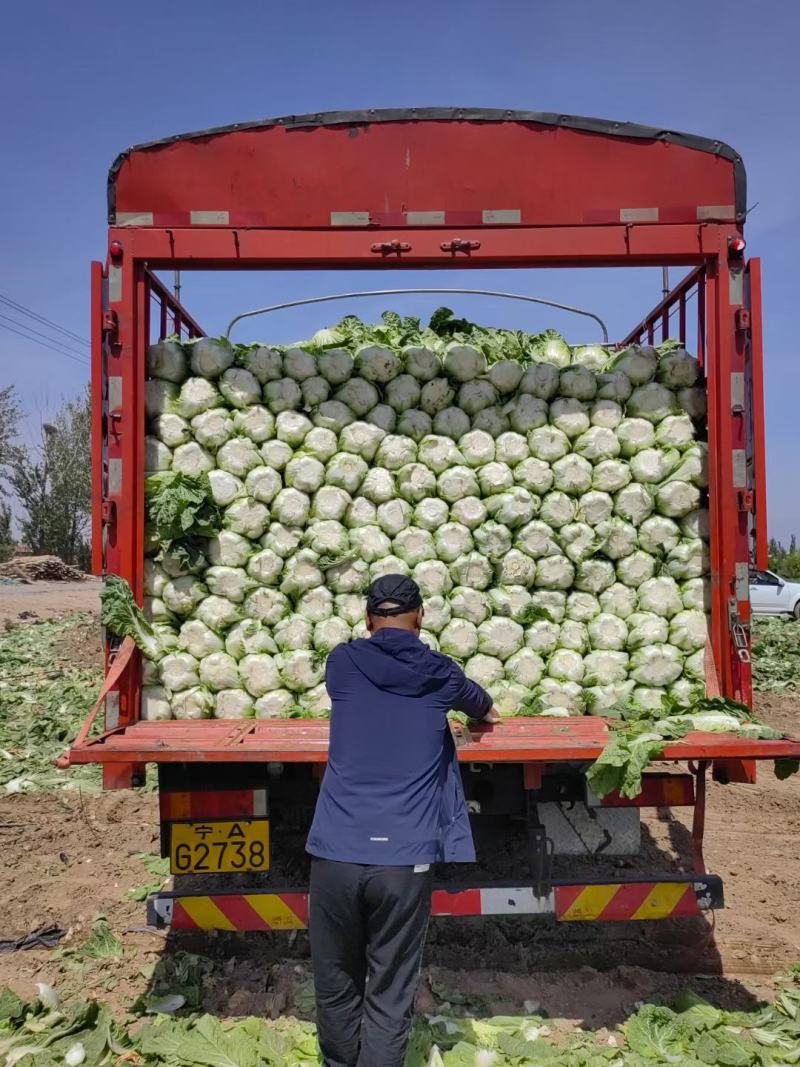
486,217
614,902
511,900
192,218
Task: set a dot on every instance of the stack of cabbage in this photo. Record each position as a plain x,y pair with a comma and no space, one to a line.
549,505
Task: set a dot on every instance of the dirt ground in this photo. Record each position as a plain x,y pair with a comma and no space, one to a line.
47,600
70,858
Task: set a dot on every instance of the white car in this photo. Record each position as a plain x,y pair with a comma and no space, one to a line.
772,595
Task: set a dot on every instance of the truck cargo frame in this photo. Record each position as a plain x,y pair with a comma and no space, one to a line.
380,190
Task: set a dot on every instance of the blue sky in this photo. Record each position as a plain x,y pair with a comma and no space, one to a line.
82,81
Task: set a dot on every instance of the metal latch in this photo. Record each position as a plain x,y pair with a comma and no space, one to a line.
107,511
738,632
460,244
110,323
742,319
388,248
745,500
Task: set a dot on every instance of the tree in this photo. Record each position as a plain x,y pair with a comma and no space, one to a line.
785,562
7,543
53,485
9,421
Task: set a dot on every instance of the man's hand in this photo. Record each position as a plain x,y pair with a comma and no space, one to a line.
492,716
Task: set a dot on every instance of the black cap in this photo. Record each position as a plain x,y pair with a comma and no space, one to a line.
394,589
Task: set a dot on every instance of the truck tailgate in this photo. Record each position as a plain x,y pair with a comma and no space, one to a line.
306,741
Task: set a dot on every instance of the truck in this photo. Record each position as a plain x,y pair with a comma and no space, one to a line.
427,188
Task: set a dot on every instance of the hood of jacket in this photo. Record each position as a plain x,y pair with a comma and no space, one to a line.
396,661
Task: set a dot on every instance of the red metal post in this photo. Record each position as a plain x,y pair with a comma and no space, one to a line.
125,444
98,389
699,818
701,320
727,474
758,415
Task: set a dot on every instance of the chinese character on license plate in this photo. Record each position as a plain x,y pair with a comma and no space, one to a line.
213,847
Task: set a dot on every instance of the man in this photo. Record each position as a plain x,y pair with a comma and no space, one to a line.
391,804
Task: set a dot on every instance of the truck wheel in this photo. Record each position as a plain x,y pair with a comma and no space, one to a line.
796,612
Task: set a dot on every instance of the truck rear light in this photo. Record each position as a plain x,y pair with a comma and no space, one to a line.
736,247
115,250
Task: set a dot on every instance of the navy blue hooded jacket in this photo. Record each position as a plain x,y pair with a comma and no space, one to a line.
392,792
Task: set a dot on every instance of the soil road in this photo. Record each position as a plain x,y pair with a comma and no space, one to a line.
47,600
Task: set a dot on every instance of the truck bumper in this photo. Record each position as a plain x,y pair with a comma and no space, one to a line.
659,898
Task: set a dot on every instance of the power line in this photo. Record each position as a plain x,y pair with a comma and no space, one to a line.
42,319
51,340
60,351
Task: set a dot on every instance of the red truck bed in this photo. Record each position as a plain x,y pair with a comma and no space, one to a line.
303,741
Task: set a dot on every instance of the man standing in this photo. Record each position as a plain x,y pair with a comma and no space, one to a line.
391,804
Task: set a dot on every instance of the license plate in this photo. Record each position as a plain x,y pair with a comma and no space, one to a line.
219,847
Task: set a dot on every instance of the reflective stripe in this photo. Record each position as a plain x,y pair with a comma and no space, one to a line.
590,902
739,468
349,218
725,212
737,392
114,284
742,581
515,901
638,214
208,218
662,900
114,477
260,803
507,216
112,710
425,218
114,392
176,805
135,218
275,912
205,914
736,287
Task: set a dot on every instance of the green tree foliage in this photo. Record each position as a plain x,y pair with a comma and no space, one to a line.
785,561
52,483
9,420
6,536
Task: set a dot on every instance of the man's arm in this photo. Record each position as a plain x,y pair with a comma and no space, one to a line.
334,673
472,699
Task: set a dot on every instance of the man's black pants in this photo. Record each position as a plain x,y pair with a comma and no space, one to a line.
367,927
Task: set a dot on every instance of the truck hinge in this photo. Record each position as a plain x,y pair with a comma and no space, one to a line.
389,248
460,244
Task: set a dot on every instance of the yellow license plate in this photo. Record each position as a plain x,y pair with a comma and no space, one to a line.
219,847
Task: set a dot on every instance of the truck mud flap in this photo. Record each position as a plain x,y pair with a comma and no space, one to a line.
658,898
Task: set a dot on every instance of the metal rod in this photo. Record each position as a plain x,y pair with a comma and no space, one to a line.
665,281
401,292
699,817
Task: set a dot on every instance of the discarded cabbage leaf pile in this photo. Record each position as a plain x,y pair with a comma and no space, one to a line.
690,1032
549,501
